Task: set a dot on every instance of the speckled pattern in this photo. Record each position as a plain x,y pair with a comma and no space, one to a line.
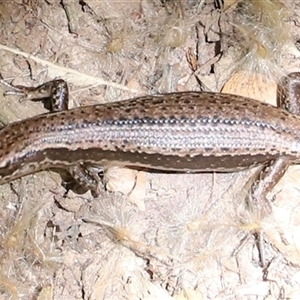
188,131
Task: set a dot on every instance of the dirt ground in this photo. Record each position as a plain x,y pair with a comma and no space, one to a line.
148,235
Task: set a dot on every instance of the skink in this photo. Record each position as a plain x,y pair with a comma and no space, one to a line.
185,132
